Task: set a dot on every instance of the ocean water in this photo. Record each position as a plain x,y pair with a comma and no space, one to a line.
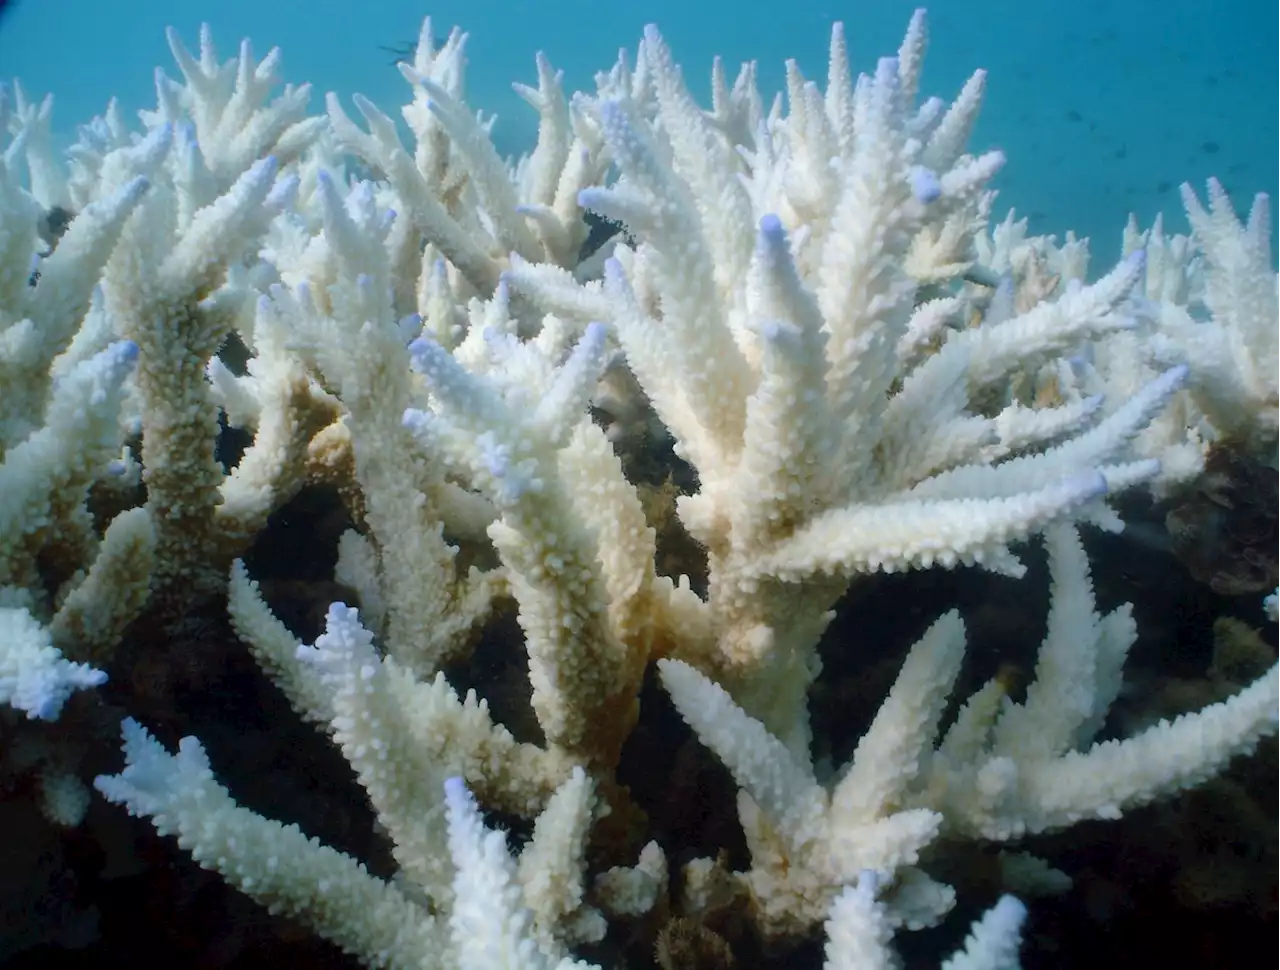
1103,108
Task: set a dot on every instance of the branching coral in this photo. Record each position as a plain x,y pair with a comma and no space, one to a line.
803,299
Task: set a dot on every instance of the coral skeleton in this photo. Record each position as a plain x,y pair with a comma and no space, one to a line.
857,369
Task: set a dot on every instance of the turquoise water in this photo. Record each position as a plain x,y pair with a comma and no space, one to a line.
1103,108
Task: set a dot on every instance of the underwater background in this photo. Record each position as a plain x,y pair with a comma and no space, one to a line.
1102,108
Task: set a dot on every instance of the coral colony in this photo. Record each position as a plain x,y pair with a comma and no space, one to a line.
860,370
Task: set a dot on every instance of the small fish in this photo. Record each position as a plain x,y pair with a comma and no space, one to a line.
398,52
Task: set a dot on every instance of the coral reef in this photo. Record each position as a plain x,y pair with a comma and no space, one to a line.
588,474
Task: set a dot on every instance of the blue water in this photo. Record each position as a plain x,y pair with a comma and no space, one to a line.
1102,107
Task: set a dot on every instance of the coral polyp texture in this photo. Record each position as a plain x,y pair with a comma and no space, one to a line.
857,372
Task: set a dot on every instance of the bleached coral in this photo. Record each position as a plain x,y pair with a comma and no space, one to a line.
1000,771
106,325
143,265
66,593
1014,271
1224,324
795,296
34,678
